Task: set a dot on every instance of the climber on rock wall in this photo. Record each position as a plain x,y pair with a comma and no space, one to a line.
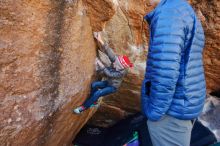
174,87
114,75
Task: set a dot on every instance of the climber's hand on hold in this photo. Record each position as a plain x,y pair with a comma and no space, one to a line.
95,34
98,37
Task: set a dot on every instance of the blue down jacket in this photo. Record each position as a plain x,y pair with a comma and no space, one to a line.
174,82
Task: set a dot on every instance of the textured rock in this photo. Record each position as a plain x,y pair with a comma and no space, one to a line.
99,11
209,12
46,61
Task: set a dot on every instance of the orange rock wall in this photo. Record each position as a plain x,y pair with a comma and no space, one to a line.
47,55
209,12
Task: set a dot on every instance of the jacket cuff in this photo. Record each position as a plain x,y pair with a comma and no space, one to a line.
152,115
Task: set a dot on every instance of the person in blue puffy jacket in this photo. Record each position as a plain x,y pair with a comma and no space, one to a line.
174,89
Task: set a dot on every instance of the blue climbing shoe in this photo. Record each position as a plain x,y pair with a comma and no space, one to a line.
95,104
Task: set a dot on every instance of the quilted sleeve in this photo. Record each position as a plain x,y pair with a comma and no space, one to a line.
167,43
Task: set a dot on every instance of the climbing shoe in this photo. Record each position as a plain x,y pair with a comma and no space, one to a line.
95,104
79,109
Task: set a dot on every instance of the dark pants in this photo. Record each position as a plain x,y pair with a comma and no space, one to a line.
98,89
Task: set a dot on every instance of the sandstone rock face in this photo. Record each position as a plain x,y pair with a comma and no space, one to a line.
210,115
47,55
46,61
209,12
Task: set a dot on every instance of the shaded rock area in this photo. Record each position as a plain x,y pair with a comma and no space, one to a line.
127,33
210,115
46,65
47,55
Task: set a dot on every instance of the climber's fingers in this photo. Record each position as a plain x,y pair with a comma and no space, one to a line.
95,34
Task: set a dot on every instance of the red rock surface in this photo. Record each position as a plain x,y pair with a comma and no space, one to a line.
46,61
47,55
209,11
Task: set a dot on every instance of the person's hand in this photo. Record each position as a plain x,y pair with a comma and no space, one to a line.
97,35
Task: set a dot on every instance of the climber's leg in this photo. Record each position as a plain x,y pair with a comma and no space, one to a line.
97,85
103,92
94,88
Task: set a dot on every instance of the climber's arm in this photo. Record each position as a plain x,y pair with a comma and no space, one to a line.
105,47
